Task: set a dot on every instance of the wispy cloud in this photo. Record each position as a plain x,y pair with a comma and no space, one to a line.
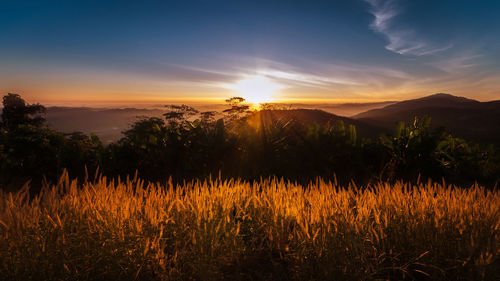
306,79
458,64
321,80
282,73
401,41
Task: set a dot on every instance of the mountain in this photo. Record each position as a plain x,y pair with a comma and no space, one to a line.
108,124
313,116
341,109
463,117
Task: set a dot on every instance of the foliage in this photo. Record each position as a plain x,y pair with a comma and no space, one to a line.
179,113
187,145
236,230
414,151
411,150
29,150
93,228
16,113
237,109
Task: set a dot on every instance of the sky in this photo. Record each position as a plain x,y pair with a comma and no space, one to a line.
79,52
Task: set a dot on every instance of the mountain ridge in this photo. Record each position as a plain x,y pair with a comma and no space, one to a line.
463,117
314,116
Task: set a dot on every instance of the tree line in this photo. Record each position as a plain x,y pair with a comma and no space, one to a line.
187,144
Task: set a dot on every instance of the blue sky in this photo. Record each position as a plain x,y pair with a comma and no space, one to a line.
333,50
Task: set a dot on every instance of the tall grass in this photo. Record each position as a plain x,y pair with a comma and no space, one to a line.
233,230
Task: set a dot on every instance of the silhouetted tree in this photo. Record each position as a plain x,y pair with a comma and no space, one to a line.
81,154
29,150
179,113
237,109
17,112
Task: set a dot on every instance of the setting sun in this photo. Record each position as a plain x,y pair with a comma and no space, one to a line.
256,89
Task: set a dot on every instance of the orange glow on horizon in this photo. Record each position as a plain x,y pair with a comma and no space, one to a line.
83,96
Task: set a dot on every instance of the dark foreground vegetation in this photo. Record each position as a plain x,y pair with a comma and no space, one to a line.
187,144
108,225
265,230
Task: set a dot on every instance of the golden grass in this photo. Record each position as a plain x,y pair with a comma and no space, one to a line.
234,230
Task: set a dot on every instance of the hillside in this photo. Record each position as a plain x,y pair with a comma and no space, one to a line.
314,116
467,118
342,109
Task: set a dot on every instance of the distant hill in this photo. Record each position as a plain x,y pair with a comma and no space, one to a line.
342,109
314,116
108,124
463,117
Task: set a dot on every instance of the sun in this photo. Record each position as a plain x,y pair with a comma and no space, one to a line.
256,89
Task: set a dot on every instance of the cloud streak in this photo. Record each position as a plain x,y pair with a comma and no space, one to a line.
458,64
315,80
334,75
401,41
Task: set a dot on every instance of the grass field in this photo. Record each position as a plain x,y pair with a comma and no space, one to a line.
233,230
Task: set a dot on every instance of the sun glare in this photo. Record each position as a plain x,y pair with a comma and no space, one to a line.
256,89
